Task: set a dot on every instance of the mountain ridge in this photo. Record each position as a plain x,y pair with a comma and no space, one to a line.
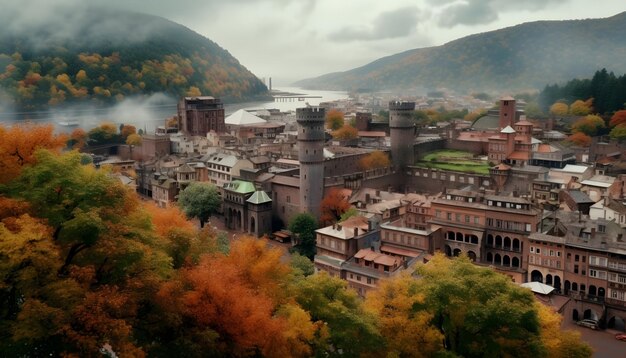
520,57
120,54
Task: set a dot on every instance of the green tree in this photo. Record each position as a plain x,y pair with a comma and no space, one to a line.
303,226
352,211
199,200
480,312
352,330
302,265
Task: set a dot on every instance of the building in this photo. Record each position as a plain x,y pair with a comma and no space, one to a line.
247,209
198,116
402,131
311,156
222,168
490,229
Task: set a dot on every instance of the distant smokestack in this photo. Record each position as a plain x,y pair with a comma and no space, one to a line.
270,83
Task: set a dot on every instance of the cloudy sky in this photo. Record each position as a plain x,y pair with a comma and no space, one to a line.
290,40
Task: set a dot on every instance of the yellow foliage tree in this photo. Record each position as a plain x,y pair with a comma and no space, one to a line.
407,331
374,160
559,109
581,108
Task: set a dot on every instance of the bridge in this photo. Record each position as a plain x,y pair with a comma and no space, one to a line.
292,98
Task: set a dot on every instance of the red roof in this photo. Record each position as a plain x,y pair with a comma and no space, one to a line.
519,156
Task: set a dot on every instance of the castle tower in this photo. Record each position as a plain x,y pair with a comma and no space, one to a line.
311,156
507,111
402,133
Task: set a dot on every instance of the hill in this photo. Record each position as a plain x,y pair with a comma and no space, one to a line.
526,56
105,55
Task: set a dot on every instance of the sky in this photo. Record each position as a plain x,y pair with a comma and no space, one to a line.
290,40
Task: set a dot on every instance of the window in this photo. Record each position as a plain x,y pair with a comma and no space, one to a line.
437,213
575,268
358,277
449,216
576,258
467,218
532,249
369,280
598,261
386,268
597,274
538,250
476,220
458,217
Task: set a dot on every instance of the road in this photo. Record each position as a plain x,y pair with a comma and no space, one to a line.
603,342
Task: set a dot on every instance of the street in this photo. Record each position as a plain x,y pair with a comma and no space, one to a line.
603,343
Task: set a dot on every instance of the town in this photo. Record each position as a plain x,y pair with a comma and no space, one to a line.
501,190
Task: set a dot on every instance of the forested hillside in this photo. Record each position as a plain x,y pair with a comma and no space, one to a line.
518,58
97,55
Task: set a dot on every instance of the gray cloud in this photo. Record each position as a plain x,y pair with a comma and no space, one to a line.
392,24
475,12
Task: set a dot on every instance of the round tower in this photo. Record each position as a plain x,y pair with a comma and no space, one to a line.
311,156
402,130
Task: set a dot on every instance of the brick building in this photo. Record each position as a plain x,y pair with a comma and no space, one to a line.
197,116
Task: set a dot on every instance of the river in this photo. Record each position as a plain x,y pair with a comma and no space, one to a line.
149,112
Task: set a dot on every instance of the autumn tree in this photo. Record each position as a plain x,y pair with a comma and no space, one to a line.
19,143
78,139
559,109
580,139
134,139
619,132
301,264
479,311
104,134
351,329
581,108
223,306
402,320
559,343
590,125
200,200
618,118
303,225
334,204
346,132
334,119
374,160
126,130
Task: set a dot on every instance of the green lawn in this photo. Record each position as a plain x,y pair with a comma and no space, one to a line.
455,160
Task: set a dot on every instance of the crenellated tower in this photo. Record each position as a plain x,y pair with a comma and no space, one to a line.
402,130
311,156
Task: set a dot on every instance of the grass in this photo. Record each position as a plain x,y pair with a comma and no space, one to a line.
454,160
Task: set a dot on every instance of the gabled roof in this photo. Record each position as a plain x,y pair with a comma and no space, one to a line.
259,197
507,130
185,168
242,118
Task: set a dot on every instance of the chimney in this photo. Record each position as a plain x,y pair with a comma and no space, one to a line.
593,232
367,198
619,237
377,192
372,248
356,231
338,227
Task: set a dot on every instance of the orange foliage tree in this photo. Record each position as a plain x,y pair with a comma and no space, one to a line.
346,132
618,118
78,139
580,139
334,204
590,125
18,144
374,160
127,130
228,303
